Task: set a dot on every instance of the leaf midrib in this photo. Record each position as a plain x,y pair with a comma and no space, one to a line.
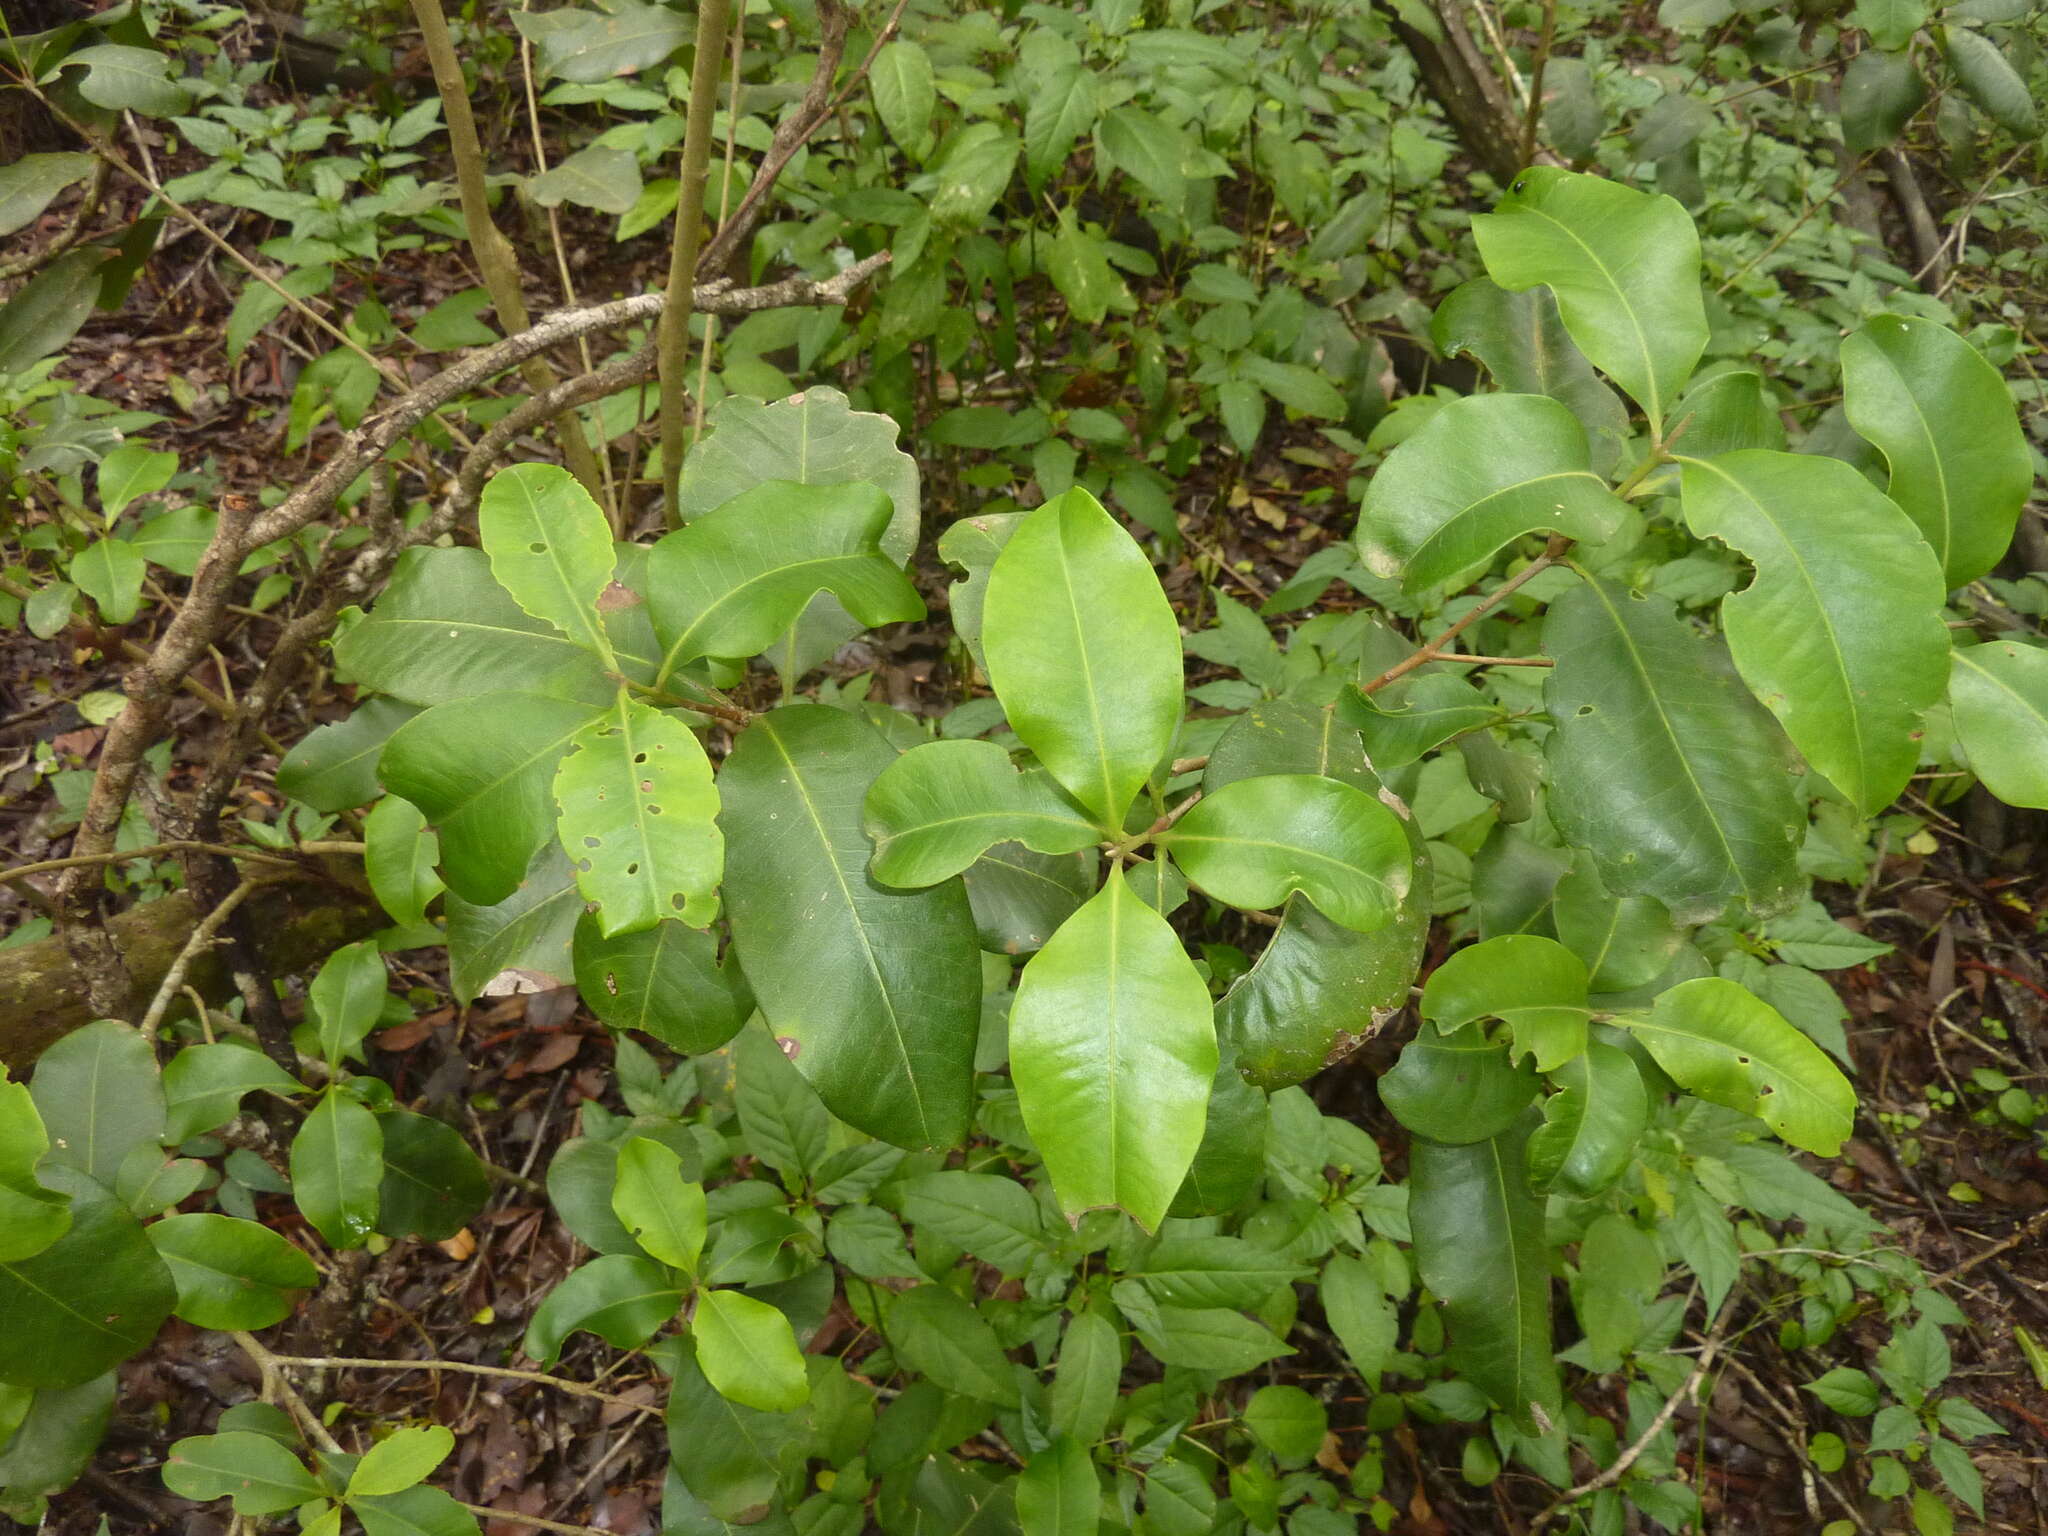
1654,406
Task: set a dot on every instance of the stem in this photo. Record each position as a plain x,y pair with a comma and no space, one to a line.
150,851
1534,115
672,344
202,935
499,1372
1432,650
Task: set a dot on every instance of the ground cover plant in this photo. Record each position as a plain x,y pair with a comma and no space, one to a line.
773,884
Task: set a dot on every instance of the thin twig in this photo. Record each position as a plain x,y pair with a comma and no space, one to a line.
506,1373
148,851
202,935
1534,116
1432,650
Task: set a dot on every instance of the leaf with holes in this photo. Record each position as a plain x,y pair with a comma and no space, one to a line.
550,547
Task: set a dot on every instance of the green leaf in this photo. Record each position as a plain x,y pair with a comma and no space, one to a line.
432,1183
445,630
1986,77
110,572
1213,1339
971,546
1254,842
729,1456
528,933
1084,652
399,859
1112,1049
1146,150
413,1512
1890,23
1841,633
665,980
782,1119
588,46
1624,941
1455,1086
30,183
1727,411
47,311
874,993
1288,1422
57,1439
337,1163
131,472
901,83
204,1086
1077,261
1880,93
1294,386
993,1218
401,1459
1479,1247
1480,473
261,1476
1847,1391
482,771
549,547
1534,984
176,539
731,582
939,1335
1999,693
622,1298
85,1303
1020,898
978,164
1624,266
1085,1381
1061,106
664,1212
940,806
597,176
1731,1048
231,1273
1360,1315
638,815
346,998
1662,766
99,1095
1226,1272
1058,1492
125,79
748,1353
1945,422
31,1216
1592,1125
335,767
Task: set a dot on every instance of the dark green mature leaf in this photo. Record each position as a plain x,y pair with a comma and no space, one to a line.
1591,1125
1479,1247
993,1218
1624,266
334,768
1455,1086
1058,1492
1719,1041
727,1454
1534,984
400,859
1841,633
433,1183
935,810
588,46
1084,1384
47,312
1480,473
732,581
1213,1339
1625,941
1662,766
1084,651
550,547
748,1353
52,1443
231,1273
204,1086
1226,1272
28,185
482,771
622,1298
337,1163
1522,342
901,84
665,980
1020,898
1999,693
88,1301
1231,1161
99,1095
261,1476
938,1334
1945,422
1988,80
32,1216
1146,150
1058,110
1112,1049
1880,93
1256,841
876,993
1890,23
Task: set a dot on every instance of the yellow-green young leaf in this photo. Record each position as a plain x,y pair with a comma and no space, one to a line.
1999,693
1624,265
131,472
337,1162
1257,841
230,1273
399,859
482,771
664,1211
110,572
748,1353
31,1216
401,1459
1058,1492
1591,1125
1479,1247
638,815
730,583
261,1476
1535,984
99,1096
1480,473
1841,634
1113,1049
1084,651
1729,1047
1945,423
549,546
939,807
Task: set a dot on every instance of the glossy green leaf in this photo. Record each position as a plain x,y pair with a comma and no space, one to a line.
413,1512
1987,79
261,1476
231,1273
1112,1049
445,630
1945,422
131,472
1624,941
400,858
85,1303
110,572
1624,266
346,998
28,185
1841,633
433,1183
1455,1086
204,1086
127,79
549,546
337,1163
1415,715
53,1444
1999,693
522,941
728,1455
638,815
665,980
1522,342
482,771
876,993
664,1212
1662,766
1231,1160
1726,1045
622,1298
731,582
1591,1125
939,807
1535,985
747,1352
1256,841
402,1458
1479,1247
31,1216
1084,651
936,1333
99,1095
1480,473
1058,1493
335,767
1725,412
